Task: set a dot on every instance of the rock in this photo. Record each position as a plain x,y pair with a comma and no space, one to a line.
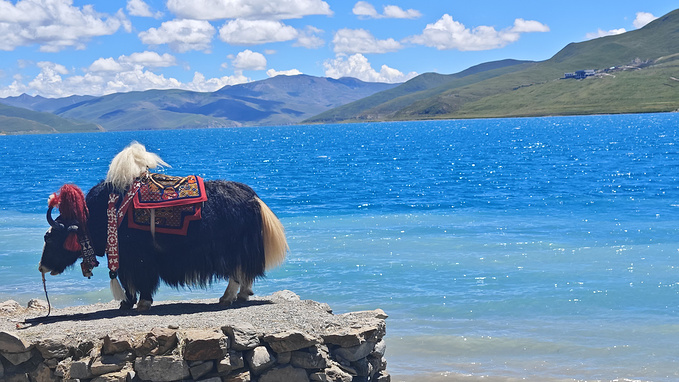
283,358
213,379
331,374
203,345
239,377
110,363
259,359
290,340
54,347
11,343
285,295
243,336
10,307
347,337
380,349
157,342
232,361
36,304
161,368
355,353
17,358
62,368
80,369
382,376
285,374
42,374
118,376
315,358
117,342
201,369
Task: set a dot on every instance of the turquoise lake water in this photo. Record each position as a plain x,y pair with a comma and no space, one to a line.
538,248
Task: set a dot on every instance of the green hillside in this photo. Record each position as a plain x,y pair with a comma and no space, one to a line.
383,104
644,80
15,120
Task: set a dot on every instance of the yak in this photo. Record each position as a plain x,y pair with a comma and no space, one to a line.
237,238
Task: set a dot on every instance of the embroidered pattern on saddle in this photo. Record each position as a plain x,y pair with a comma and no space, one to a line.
173,201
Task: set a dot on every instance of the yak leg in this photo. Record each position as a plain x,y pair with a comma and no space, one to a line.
129,301
245,291
145,301
230,294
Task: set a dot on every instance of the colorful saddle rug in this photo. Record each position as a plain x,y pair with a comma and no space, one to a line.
167,204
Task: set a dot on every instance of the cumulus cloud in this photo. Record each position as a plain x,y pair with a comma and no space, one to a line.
274,73
363,9
357,66
54,25
126,63
309,38
362,41
249,60
602,33
201,84
248,32
248,9
642,19
181,35
141,9
447,33
109,75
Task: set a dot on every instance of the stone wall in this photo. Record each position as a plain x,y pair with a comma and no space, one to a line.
347,347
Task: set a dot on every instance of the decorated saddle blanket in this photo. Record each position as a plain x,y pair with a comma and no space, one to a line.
168,203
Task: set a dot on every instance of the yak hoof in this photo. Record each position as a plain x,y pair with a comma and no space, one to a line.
226,301
126,305
144,305
244,296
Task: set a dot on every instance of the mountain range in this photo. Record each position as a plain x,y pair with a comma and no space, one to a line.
633,72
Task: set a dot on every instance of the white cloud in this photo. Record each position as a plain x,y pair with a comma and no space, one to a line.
308,38
642,19
249,60
141,9
362,41
181,35
248,32
357,66
249,9
447,33
363,9
602,33
200,84
106,65
274,73
108,75
128,63
149,59
54,25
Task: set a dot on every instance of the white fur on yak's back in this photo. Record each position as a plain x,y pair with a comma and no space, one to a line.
275,244
131,163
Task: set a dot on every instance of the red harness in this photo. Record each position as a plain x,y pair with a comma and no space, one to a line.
115,218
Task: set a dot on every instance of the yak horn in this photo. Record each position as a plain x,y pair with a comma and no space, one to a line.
51,221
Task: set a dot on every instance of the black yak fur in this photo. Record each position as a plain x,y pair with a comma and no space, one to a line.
228,238
237,239
227,243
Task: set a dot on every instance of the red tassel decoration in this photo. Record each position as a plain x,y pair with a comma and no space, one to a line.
71,243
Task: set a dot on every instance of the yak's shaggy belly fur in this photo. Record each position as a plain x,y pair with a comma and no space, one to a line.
225,243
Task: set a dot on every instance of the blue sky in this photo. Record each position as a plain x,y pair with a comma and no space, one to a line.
57,48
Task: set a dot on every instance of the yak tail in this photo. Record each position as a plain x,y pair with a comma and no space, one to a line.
131,163
273,233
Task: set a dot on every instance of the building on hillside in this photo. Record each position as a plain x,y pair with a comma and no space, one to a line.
580,74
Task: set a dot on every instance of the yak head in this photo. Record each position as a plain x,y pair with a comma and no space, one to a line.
62,240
